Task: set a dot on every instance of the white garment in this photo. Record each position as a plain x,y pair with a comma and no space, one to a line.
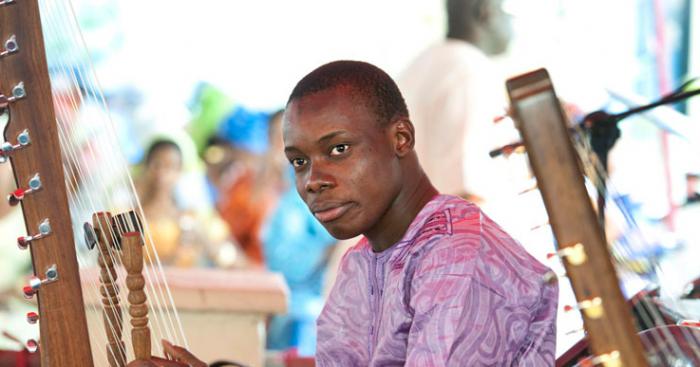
453,95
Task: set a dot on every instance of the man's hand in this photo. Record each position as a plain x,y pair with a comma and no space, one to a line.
182,355
175,357
155,362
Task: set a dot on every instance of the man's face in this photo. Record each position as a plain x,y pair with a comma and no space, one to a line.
345,165
164,167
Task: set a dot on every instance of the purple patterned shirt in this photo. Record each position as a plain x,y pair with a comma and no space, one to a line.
455,291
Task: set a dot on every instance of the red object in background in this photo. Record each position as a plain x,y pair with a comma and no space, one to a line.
19,359
292,359
22,358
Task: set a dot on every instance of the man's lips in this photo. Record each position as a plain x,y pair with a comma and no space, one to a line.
331,212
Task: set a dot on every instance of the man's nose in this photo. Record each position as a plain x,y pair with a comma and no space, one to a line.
319,180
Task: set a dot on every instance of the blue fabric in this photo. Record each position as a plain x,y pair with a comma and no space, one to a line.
246,129
296,244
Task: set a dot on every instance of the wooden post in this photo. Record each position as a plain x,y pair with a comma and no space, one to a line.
132,257
545,131
63,328
111,310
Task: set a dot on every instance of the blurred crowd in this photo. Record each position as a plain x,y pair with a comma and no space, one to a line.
251,216
216,192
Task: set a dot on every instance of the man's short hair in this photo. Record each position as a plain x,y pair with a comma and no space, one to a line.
462,17
366,81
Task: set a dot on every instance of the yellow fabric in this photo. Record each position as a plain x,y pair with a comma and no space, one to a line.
165,233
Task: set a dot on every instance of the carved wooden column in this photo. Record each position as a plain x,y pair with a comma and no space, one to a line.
112,312
132,257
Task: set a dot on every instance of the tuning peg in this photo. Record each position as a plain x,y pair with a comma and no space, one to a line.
592,308
32,317
31,289
10,46
16,196
508,149
44,230
35,282
575,254
32,345
18,92
8,148
506,115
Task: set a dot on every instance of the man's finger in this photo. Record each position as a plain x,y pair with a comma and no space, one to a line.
155,362
167,349
181,354
160,362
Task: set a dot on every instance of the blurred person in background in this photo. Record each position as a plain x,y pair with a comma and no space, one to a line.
297,246
244,196
209,106
181,236
224,165
453,94
156,189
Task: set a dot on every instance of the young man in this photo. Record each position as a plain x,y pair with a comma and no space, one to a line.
434,282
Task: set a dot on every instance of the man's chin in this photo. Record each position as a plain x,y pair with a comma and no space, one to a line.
342,233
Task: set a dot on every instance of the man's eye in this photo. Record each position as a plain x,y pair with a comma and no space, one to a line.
298,162
340,149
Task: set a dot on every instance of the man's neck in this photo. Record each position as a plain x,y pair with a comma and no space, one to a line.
474,41
395,222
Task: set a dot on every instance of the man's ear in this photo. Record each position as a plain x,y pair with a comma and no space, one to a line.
403,136
483,13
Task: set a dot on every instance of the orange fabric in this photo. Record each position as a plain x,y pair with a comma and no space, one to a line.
244,208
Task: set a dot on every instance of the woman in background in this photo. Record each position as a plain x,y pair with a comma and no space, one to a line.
156,189
180,236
